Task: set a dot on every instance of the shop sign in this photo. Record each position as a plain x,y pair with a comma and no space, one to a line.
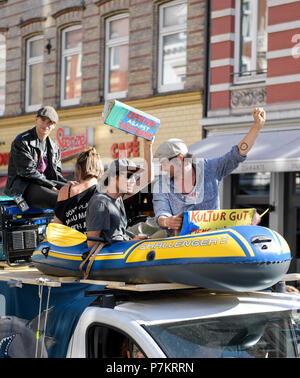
127,149
71,145
4,157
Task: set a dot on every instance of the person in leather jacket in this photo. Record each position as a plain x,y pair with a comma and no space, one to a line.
34,168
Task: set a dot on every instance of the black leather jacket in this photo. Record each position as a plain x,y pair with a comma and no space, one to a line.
23,162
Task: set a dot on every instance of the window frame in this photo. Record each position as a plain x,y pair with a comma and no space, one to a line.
111,44
3,69
30,62
162,32
66,53
254,76
101,330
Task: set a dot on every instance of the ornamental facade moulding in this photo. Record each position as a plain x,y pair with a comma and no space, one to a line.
68,10
30,21
248,97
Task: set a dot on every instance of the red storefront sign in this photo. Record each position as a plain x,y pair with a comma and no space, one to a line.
71,145
4,157
128,149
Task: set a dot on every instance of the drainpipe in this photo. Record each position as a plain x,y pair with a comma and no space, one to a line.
206,74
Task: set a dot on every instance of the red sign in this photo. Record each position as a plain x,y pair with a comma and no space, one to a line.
125,150
71,145
4,157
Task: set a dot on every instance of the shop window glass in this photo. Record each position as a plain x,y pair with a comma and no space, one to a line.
252,190
116,67
172,46
252,39
34,73
71,65
297,182
254,183
298,233
2,73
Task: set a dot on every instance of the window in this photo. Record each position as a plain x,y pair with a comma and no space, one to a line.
71,65
107,342
116,56
172,46
251,40
292,214
2,73
258,335
34,73
252,190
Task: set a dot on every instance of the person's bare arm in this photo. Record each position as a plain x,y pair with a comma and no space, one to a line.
248,141
92,234
148,173
62,195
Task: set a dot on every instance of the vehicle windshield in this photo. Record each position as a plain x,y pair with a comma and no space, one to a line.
266,335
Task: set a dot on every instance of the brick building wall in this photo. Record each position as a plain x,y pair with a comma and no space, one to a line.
283,78
282,82
254,60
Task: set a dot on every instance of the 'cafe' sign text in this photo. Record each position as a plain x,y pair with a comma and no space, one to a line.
127,149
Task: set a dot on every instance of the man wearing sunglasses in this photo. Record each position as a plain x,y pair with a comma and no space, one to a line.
106,216
187,185
34,168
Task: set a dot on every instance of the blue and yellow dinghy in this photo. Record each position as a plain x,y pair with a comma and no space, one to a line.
240,258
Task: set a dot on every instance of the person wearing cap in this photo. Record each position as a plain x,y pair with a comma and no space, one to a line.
106,216
187,185
34,167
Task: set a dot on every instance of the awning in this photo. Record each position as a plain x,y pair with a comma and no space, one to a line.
274,150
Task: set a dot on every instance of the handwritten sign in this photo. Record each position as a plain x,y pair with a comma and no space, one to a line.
129,119
198,221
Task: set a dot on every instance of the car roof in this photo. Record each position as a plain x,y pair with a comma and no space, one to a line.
194,304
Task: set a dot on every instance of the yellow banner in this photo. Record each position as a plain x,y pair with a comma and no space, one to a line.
198,221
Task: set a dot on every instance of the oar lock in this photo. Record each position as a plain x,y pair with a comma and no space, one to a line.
45,251
150,256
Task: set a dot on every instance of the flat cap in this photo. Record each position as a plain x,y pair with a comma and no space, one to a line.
118,166
48,111
171,148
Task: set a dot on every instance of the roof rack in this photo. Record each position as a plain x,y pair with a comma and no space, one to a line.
33,276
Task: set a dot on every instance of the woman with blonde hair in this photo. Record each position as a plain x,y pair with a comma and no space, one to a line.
73,199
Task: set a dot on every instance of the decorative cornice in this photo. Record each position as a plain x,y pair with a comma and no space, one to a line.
68,10
101,2
150,103
23,23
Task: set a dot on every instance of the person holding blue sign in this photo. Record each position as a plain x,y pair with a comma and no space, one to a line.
185,185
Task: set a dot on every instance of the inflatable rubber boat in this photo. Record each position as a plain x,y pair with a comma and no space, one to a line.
241,258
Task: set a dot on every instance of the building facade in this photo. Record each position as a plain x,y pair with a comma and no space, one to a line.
254,60
200,66
75,54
